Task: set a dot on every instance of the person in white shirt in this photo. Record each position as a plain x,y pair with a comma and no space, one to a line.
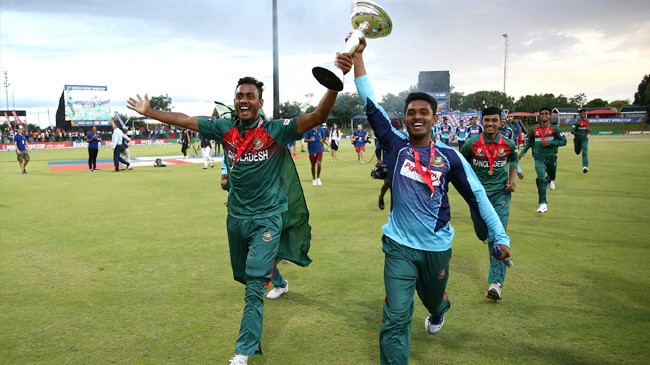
335,139
118,139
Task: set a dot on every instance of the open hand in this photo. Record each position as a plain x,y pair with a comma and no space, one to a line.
142,106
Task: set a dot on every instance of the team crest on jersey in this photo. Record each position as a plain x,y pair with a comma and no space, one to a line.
266,236
501,152
442,273
437,162
257,144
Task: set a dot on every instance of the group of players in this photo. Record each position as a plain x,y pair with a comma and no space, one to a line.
416,240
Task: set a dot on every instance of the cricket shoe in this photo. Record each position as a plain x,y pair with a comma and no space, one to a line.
551,185
543,208
433,323
239,360
276,292
318,182
314,182
494,291
585,170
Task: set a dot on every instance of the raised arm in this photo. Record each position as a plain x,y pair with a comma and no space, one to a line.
143,106
308,121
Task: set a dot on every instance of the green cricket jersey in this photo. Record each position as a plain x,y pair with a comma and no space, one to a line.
481,152
255,158
535,138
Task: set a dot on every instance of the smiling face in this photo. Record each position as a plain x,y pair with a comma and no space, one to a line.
545,117
491,125
418,122
247,103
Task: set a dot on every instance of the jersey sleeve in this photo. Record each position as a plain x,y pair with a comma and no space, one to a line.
283,131
213,128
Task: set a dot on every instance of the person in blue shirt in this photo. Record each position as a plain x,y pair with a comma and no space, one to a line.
314,138
445,130
461,133
418,237
93,138
474,129
22,154
359,138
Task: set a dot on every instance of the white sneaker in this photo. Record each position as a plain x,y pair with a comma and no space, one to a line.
318,182
585,170
551,185
314,182
494,291
276,292
543,208
239,360
433,323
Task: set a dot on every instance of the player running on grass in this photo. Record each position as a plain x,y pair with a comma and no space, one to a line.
494,160
544,139
417,238
265,197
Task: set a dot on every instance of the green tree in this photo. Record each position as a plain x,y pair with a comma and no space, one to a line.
393,104
596,103
290,109
532,103
162,102
457,101
578,100
481,99
618,104
642,95
347,106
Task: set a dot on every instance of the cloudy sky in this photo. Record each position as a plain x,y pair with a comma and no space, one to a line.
195,50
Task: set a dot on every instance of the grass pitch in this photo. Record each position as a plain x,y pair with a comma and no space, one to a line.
133,268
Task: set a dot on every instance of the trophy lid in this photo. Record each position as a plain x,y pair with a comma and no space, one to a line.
377,18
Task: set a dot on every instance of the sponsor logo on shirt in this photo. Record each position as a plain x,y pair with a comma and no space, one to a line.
410,171
486,164
266,236
479,152
286,121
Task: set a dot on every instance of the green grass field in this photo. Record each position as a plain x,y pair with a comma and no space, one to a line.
133,268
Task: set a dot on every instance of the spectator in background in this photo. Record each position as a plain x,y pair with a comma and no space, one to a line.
359,138
335,140
314,138
206,146
22,153
93,138
118,146
474,129
185,142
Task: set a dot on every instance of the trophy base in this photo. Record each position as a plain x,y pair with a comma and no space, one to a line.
329,77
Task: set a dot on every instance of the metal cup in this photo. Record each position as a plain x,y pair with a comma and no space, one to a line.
369,20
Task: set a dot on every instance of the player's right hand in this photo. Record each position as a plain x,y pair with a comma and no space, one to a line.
142,106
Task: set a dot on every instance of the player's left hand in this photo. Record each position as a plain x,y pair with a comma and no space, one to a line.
546,143
505,252
510,185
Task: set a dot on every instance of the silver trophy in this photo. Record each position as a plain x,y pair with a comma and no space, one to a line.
369,20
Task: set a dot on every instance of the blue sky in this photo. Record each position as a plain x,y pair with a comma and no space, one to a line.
196,50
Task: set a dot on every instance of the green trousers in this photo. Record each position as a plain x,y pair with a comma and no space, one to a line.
407,270
581,145
253,248
546,168
501,203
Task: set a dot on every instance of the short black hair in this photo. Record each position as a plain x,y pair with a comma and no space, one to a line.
248,80
421,96
491,110
581,110
546,108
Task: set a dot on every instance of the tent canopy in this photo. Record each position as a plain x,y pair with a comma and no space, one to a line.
602,112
